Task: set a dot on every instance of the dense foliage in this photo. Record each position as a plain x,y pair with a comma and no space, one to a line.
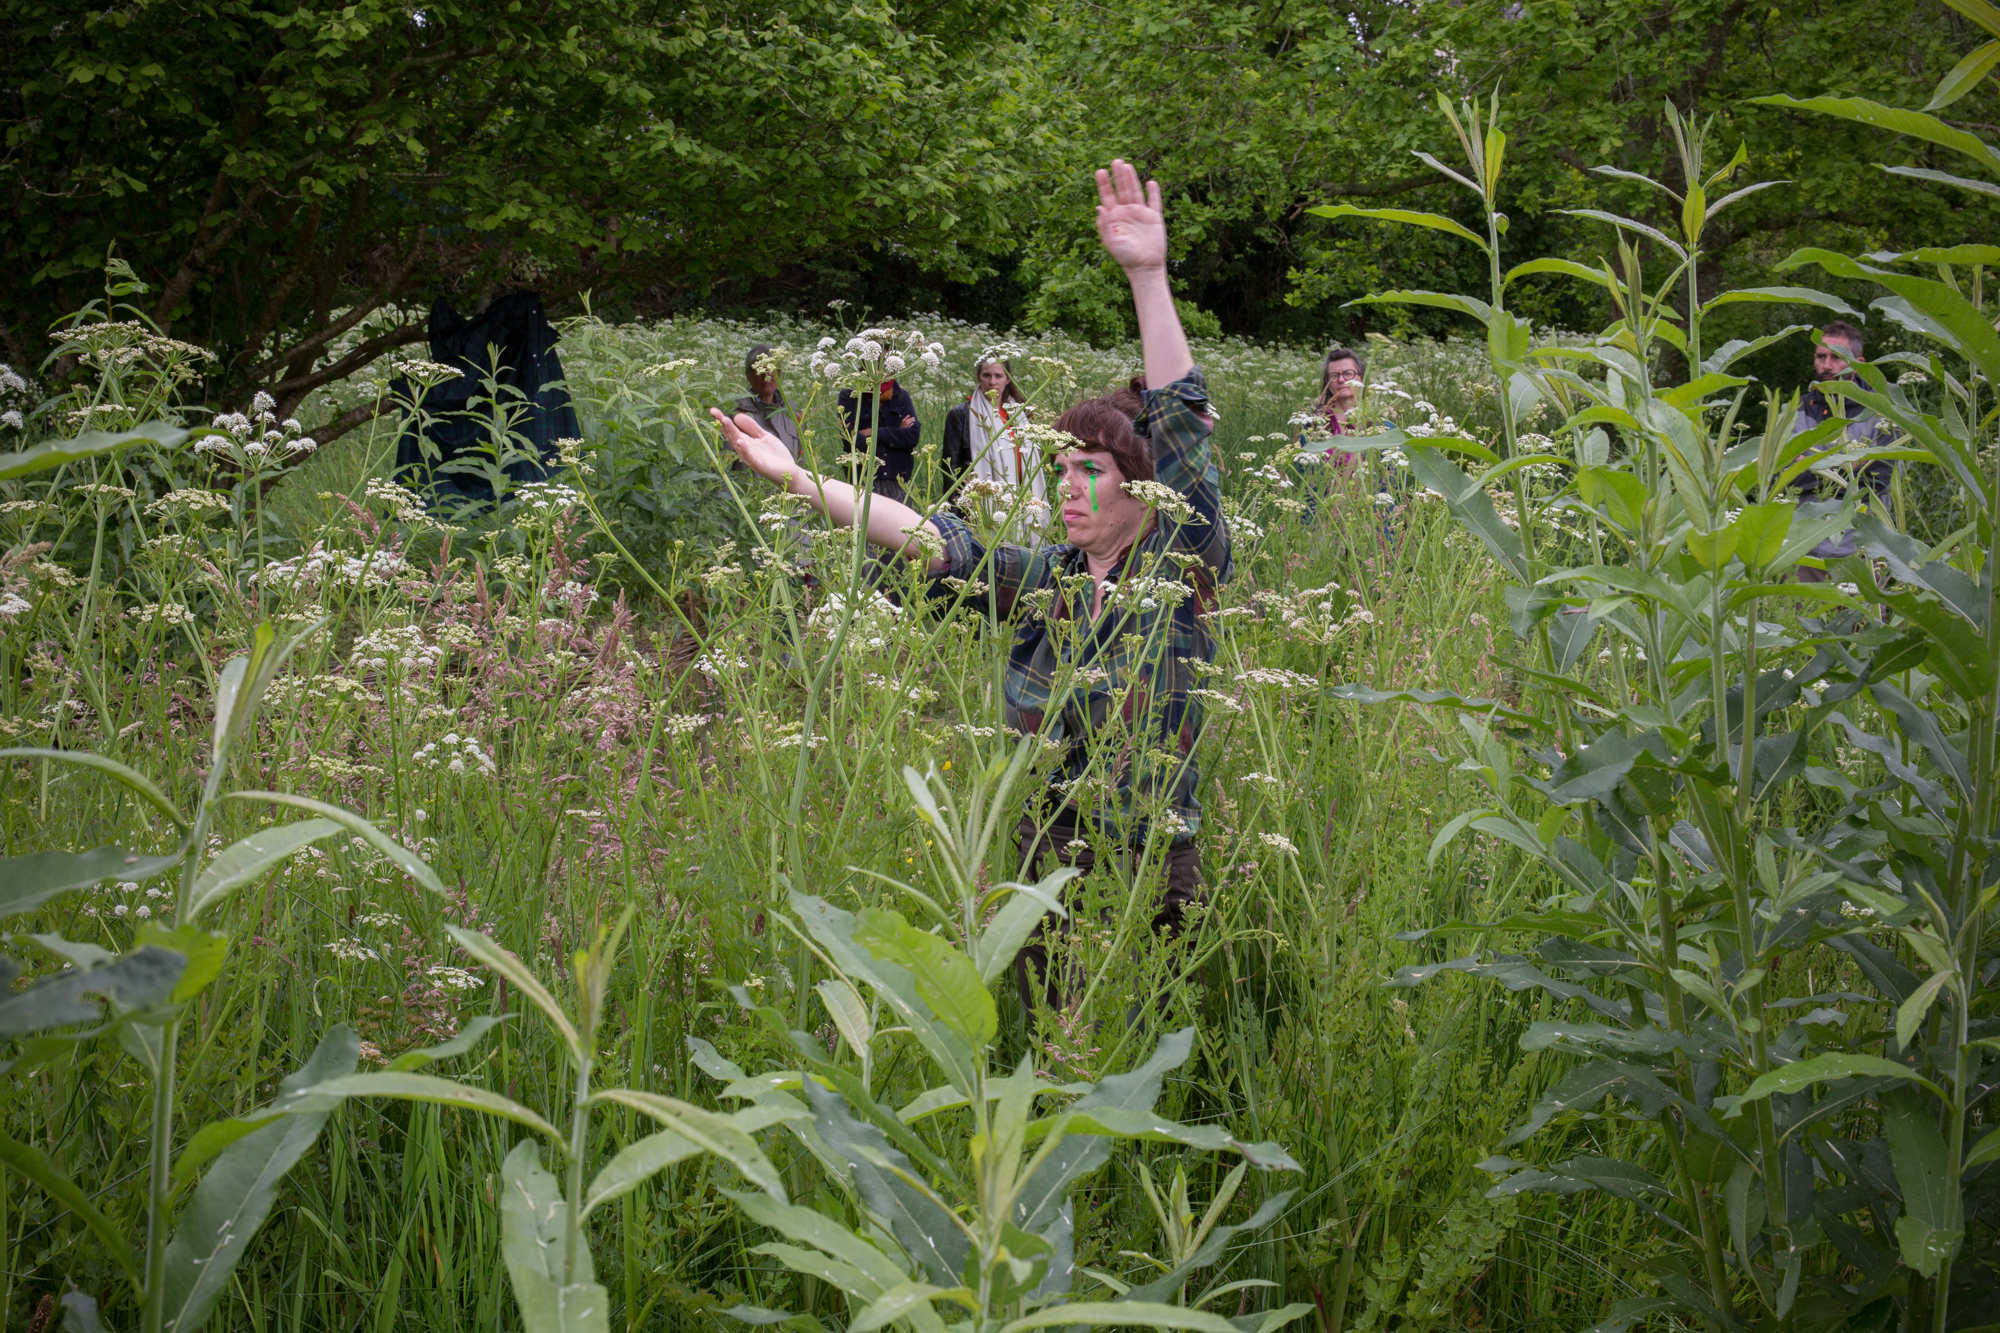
338,166
674,831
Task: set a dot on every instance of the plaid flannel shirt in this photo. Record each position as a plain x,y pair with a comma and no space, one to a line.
1115,692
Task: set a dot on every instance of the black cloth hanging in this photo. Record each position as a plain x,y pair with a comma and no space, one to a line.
515,329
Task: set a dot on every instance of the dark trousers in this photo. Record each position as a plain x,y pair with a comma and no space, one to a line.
1179,889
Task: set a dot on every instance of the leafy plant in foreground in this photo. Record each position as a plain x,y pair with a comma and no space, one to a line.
990,1233
1820,1172
183,1269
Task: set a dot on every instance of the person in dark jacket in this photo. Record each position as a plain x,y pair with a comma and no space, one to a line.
766,400
890,433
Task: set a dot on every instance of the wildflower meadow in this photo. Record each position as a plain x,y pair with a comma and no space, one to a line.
598,908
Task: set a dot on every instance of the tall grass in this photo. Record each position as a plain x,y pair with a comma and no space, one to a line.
561,744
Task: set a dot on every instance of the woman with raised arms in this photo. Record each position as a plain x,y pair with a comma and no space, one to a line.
1110,635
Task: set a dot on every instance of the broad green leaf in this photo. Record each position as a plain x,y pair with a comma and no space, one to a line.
406,860
1906,560
810,1227
945,977
1621,495
1761,530
535,1243
1673,247
1987,1150
1931,1227
26,882
1980,12
488,951
719,1134
1894,119
1945,178
1450,831
470,1036
1783,296
1507,338
1464,305
1434,221
250,859
138,783
636,1164
1689,395
211,1139
1802,1074
1911,1012
835,931
33,1163
243,691
1727,355
903,1300
205,951
1117,1123
80,1313
235,1196
842,1277
137,980
995,949
1471,506
228,695
90,444
1568,268
428,1088
1935,254
1964,76
849,1013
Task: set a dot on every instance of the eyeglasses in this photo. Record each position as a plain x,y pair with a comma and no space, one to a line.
1345,376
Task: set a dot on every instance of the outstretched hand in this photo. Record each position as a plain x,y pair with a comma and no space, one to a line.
763,453
1130,221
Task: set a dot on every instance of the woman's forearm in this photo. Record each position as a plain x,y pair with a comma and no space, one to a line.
889,521
1160,333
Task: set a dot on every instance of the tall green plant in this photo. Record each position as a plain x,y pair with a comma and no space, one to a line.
182,1270
1811,1169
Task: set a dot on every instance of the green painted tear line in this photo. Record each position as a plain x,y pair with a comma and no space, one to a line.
1093,492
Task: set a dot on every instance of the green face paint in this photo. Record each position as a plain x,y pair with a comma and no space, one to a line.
1093,492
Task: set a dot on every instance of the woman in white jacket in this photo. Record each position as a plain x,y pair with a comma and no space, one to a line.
991,456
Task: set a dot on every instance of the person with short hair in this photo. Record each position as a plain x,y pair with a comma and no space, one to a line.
1836,352
987,451
1343,374
765,402
1110,632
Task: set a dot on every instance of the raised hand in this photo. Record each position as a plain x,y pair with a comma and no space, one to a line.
1130,221
762,453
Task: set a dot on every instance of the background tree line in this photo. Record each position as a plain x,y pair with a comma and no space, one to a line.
297,181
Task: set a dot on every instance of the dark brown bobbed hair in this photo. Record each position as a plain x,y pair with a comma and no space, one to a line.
1105,424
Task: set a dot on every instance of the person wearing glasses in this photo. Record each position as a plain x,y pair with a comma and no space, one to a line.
1342,376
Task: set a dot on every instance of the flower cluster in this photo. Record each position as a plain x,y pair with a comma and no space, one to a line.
191,501
257,437
874,355
874,619
1158,495
394,647
376,569
166,613
456,754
